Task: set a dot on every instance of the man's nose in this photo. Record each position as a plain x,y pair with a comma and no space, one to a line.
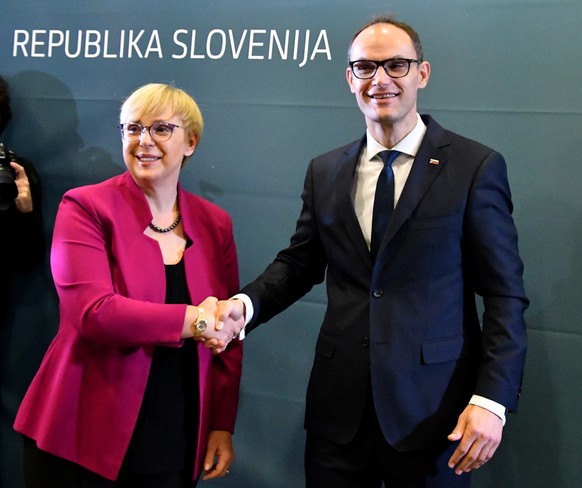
381,77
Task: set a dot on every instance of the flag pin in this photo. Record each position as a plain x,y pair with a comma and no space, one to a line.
434,161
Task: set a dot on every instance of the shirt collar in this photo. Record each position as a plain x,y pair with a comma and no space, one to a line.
409,145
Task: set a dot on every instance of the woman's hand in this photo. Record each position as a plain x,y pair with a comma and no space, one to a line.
224,320
219,454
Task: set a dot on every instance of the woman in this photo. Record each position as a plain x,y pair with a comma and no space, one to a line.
124,397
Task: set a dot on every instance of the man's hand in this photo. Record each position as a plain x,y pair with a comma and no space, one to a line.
230,315
219,454
225,319
479,431
23,201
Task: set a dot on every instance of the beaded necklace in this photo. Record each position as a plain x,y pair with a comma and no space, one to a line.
155,228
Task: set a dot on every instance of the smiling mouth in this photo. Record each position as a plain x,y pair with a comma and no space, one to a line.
383,96
148,159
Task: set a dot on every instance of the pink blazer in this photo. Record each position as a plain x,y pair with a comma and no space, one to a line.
83,403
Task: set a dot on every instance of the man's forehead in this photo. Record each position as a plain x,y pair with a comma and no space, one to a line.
383,32
384,38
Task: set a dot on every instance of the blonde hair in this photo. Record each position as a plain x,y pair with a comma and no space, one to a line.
155,98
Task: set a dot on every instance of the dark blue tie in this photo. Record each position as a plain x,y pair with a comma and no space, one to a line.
383,201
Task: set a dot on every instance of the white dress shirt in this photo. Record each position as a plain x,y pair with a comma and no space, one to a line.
369,167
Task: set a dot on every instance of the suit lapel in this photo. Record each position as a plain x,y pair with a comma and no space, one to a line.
347,214
428,163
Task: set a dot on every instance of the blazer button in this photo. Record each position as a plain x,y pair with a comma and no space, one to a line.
365,342
377,293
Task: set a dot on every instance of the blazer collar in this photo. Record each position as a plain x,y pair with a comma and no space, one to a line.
345,187
142,210
430,160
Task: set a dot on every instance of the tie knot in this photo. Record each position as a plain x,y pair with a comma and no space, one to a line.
388,157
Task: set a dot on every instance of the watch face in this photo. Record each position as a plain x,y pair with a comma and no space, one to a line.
201,326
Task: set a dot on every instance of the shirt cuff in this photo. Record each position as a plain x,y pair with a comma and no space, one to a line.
249,311
490,405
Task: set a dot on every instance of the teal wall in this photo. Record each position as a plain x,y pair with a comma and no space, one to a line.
505,72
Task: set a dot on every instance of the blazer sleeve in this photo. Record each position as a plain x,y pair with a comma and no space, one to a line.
28,241
88,278
496,270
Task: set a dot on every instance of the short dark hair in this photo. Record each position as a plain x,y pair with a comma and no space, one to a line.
5,111
389,19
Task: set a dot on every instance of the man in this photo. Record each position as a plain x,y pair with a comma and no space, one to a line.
22,250
407,388
20,213
22,245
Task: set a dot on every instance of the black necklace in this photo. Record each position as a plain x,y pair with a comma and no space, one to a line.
155,228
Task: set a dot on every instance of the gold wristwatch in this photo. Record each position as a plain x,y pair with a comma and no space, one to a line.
199,326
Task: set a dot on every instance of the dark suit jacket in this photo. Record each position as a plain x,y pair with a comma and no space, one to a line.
408,322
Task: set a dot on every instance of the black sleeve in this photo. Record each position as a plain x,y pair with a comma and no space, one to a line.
24,240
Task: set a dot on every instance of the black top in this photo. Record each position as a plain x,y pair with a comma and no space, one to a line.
165,433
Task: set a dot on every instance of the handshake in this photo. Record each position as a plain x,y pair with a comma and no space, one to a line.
224,321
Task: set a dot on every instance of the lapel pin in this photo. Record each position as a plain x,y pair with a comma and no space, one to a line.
434,161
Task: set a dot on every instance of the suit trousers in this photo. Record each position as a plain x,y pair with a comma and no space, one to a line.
368,461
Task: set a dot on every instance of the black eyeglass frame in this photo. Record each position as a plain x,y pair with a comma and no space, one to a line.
383,65
143,128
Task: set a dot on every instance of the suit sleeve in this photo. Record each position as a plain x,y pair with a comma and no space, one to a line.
27,228
496,270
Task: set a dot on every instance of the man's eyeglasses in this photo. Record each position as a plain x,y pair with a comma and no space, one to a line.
364,69
159,131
